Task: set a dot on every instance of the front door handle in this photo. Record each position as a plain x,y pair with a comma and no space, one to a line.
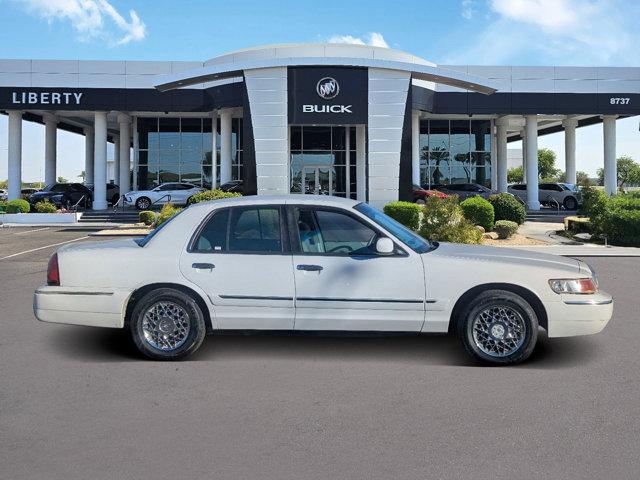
203,266
310,268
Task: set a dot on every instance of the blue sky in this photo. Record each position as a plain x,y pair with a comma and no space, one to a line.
487,32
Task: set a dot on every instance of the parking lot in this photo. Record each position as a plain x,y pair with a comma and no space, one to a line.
79,403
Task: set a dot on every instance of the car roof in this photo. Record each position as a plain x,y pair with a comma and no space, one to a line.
294,199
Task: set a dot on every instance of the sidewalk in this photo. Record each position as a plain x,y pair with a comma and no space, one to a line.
559,245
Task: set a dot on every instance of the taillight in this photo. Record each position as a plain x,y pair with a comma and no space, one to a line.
53,272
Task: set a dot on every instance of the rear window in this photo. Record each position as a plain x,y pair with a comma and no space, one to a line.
143,241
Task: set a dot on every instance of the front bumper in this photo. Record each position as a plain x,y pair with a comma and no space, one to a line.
95,307
579,314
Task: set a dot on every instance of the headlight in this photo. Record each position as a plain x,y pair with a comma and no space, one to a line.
56,197
574,285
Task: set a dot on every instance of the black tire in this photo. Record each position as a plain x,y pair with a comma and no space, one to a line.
143,203
194,316
516,306
570,203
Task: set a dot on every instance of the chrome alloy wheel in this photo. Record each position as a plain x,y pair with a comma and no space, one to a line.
166,325
499,330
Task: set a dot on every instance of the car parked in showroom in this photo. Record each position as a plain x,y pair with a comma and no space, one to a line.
311,263
565,195
234,186
177,193
421,194
63,195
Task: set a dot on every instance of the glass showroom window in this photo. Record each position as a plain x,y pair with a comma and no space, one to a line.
455,151
319,160
179,149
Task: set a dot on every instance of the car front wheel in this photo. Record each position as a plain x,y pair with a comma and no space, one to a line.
143,203
167,324
499,327
570,203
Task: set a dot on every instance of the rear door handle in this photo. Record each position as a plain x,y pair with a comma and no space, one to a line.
309,268
203,266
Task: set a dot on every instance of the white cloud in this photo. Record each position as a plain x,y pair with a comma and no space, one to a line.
576,32
468,9
373,39
91,19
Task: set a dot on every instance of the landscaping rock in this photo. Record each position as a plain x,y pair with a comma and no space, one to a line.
490,236
481,228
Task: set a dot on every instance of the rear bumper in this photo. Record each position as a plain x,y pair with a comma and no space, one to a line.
579,314
81,306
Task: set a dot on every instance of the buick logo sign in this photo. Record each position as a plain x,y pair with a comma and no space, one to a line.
327,88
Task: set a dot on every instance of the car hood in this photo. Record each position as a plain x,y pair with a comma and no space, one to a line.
516,257
45,194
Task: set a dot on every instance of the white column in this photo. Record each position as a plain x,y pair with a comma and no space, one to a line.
116,159
361,164
531,126
494,156
100,162
415,148
14,154
136,154
214,149
125,154
347,147
570,125
610,167
50,132
501,152
88,155
225,145
523,136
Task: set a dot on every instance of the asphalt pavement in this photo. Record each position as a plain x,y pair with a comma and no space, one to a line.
80,403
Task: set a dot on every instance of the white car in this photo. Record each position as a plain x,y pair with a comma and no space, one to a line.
176,193
311,263
3,194
566,195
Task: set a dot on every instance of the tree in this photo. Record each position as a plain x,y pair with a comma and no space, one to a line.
582,178
62,180
4,184
82,175
547,164
628,172
515,175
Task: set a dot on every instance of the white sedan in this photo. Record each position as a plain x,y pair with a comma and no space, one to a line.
176,193
310,263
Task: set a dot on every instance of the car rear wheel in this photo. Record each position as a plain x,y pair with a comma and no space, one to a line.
570,203
167,324
499,327
143,203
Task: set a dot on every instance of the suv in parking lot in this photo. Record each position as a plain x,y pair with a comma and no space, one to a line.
566,195
63,195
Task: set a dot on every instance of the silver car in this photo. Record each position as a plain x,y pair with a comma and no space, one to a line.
566,195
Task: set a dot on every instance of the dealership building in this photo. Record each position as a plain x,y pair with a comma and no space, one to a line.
349,120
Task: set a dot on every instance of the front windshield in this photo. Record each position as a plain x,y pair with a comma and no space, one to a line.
402,233
54,187
569,186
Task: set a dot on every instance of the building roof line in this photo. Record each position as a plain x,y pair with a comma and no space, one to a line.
430,73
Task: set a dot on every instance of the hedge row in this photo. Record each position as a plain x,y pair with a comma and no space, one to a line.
617,217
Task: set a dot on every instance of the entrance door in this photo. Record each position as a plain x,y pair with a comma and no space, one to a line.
318,180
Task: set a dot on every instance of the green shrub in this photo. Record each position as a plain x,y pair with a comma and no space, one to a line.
442,220
407,213
507,207
505,228
208,195
478,211
622,227
147,217
625,202
45,206
168,211
595,206
18,206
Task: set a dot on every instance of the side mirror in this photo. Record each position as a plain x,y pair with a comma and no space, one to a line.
384,246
